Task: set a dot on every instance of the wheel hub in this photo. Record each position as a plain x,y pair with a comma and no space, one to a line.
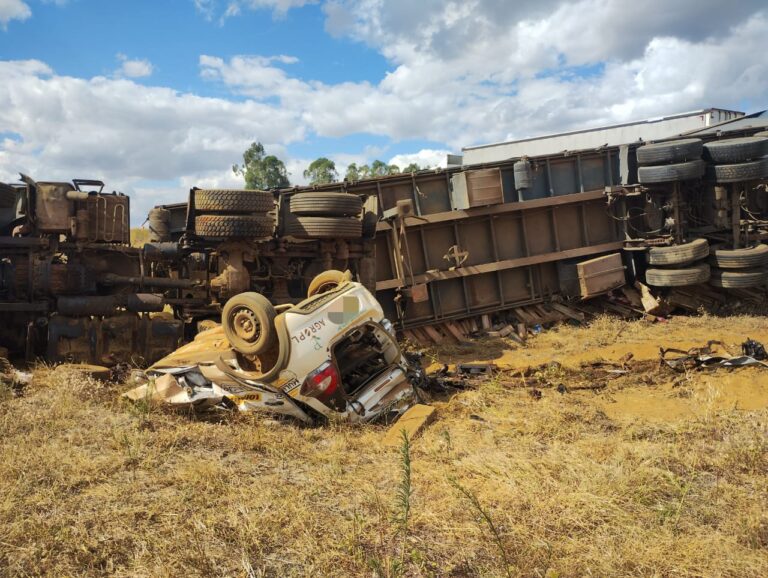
245,325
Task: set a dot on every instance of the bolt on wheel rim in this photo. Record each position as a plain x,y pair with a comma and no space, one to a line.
245,325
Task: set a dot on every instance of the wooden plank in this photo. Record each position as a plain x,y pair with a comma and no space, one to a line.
433,333
455,331
413,421
485,322
568,312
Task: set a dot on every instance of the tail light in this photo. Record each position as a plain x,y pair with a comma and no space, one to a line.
322,382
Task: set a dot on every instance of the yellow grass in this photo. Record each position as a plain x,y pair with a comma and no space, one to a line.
502,484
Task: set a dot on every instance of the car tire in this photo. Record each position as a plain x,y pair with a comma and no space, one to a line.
327,281
248,320
736,150
676,151
233,201
737,173
326,204
324,228
679,254
738,279
747,258
670,173
229,226
693,275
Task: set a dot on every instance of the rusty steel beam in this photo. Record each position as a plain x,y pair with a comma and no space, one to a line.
506,264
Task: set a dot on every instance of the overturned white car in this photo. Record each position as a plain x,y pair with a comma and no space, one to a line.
332,355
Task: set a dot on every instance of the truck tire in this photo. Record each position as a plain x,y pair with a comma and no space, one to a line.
750,171
693,275
739,279
326,204
736,150
327,281
679,254
233,201
746,258
675,151
669,173
324,228
227,226
248,320
159,225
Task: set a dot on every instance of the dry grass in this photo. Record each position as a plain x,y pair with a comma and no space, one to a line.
499,485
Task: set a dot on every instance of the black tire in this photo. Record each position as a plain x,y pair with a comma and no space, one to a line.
739,279
324,228
227,226
233,201
326,204
693,275
750,171
747,258
248,320
159,222
679,254
736,150
676,151
669,173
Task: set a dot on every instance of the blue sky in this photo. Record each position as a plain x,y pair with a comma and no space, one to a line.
155,97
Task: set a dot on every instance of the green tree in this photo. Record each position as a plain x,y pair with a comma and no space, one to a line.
376,169
260,171
353,172
322,171
412,168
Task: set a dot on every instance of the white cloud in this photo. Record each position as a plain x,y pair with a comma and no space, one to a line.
13,10
234,8
124,132
133,68
425,158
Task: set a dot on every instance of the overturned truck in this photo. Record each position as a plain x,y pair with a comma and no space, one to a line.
443,249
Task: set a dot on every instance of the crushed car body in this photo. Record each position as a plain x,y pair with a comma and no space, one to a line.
333,355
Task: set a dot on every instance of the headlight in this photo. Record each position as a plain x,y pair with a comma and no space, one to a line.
387,325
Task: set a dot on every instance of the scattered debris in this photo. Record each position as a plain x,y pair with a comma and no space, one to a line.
706,358
413,421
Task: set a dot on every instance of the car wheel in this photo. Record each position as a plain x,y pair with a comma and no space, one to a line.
736,150
739,279
679,254
324,228
233,201
750,171
228,226
327,281
675,151
739,258
326,204
670,173
248,320
678,277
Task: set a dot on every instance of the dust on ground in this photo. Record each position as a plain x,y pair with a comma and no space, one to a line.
615,474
